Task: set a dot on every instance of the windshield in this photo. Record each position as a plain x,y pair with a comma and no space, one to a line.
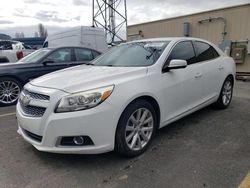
35,56
134,54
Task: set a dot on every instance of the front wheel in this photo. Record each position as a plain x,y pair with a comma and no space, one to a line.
136,128
10,90
226,94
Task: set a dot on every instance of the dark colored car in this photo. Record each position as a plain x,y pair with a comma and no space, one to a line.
13,76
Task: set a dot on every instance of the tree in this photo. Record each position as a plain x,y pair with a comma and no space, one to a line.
22,35
19,35
42,30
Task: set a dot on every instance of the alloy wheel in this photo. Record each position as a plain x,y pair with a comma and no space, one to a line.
139,129
227,92
9,92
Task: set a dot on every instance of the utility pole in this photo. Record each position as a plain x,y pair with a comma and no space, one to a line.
111,15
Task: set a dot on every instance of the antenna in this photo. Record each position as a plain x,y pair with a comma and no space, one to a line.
112,16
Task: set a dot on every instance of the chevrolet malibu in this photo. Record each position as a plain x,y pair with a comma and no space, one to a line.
118,101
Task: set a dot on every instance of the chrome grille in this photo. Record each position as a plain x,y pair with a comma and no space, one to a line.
33,111
37,96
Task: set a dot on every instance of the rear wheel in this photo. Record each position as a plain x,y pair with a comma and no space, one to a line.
136,128
226,94
10,89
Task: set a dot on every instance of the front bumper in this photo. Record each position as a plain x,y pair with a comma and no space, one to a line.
98,123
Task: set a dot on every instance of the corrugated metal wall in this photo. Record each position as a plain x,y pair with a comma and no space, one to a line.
238,28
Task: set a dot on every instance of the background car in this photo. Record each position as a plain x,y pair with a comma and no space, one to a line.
12,51
14,75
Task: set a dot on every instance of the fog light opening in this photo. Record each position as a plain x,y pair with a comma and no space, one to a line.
78,140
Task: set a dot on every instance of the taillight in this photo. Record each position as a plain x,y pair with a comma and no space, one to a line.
19,55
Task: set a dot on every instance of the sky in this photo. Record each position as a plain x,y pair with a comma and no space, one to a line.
24,15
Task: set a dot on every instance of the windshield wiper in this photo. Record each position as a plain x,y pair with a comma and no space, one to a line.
89,64
151,50
152,53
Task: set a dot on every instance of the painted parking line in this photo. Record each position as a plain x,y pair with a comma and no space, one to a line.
245,182
8,114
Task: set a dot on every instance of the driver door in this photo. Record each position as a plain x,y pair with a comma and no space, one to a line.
58,59
181,88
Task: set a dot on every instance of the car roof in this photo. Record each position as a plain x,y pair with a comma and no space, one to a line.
55,48
176,39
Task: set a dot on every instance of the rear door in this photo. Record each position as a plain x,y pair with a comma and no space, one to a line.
84,55
211,66
181,88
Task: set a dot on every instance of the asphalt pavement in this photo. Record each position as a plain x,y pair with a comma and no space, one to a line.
210,148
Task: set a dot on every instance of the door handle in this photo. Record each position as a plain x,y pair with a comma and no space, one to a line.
198,75
220,67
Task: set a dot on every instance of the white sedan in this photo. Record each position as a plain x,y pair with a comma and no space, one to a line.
117,101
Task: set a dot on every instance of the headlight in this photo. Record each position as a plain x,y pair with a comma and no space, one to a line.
84,100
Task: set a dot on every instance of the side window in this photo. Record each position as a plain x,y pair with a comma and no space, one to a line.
61,55
184,51
5,45
83,54
2,45
8,46
95,54
204,51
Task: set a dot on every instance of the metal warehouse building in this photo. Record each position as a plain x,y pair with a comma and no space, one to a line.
228,27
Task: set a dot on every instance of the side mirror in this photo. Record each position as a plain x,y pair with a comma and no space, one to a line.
176,64
48,62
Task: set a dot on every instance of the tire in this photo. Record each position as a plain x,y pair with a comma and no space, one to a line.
226,94
132,136
10,89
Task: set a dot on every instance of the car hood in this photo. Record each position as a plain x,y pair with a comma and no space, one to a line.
87,77
10,65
